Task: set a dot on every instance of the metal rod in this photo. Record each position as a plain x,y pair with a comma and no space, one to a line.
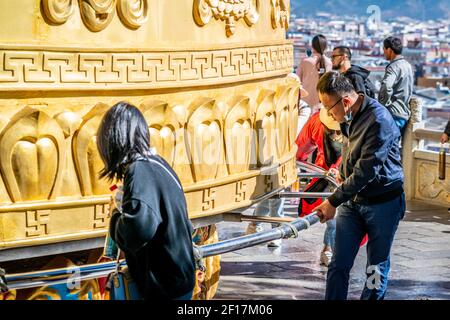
63,271
309,167
284,231
304,195
99,270
266,219
311,175
316,169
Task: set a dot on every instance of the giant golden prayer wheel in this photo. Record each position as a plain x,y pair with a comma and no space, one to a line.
209,76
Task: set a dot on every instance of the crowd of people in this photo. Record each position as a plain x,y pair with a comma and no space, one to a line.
346,127
353,132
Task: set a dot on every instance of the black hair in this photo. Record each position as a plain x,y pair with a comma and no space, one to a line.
335,84
319,43
394,43
344,50
122,137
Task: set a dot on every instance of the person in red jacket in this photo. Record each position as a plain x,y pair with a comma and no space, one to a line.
321,133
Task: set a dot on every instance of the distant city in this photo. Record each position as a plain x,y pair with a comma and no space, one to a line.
426,47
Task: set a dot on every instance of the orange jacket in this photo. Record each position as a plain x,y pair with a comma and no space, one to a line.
310,139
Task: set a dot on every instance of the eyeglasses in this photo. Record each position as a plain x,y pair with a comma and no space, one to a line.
328,110
335,132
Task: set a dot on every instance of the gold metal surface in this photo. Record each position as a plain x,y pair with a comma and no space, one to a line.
218,104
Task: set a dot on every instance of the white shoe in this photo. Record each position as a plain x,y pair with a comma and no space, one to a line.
254,228
274,243
325,257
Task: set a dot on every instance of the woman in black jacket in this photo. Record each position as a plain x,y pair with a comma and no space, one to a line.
152,229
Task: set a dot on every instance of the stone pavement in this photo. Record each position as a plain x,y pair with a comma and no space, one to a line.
420,262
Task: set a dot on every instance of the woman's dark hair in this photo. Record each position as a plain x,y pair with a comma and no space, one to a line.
394,43
319,43
122,137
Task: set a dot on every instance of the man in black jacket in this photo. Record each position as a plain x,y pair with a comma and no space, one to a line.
358,76
370,198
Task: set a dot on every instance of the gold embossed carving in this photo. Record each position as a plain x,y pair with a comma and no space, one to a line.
286,100
284,175
265,125
87,159
49,160
280,14
205,139
57,11
97,14
168,136
101,212
268,182
133,13
239,138
241,191
229,11
209,199
37,223
40,70
31,152
293,114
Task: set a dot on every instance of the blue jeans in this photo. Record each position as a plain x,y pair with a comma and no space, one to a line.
353,221
330,234
187,296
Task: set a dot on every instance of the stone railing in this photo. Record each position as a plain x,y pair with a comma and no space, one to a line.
420,165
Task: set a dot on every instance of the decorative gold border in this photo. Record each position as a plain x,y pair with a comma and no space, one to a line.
243,190
47,69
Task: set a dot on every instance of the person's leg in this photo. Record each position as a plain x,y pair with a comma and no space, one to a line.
350,230
382,221
330,234
328,243
262,209
187,296
276,209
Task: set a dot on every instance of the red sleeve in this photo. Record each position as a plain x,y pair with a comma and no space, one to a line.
305,140
337,164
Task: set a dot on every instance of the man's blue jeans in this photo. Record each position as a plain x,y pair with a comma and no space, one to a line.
353,221
330,234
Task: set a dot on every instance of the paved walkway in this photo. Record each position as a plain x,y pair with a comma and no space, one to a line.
420,262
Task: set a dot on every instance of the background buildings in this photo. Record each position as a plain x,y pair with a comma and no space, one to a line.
362,27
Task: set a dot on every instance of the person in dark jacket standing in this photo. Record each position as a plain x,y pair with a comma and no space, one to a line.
153,228
370,198
358,76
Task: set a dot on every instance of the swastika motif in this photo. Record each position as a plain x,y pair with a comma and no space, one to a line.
209,196
100,215
268,183
241,190
37,223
